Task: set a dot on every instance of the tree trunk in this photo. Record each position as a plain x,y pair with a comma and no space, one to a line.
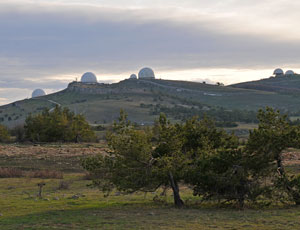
177,200
241,201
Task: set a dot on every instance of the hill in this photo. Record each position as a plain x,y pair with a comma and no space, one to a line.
143,100
286,84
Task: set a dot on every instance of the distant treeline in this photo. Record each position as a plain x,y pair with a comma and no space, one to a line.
223,118
58,125
61,125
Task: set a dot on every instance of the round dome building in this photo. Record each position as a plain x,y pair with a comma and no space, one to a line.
133,76
146,73
89,77
278,72
38,93
289,72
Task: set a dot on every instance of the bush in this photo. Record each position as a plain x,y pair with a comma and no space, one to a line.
58,125
4,134
19,133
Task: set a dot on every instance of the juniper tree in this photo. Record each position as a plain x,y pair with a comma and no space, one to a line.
266,146
140,160
216,167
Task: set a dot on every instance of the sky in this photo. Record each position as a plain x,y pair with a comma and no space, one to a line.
49,43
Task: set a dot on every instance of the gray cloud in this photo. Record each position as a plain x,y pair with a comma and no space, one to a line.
39,41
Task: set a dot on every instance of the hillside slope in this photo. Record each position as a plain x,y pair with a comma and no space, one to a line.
143,100
281,84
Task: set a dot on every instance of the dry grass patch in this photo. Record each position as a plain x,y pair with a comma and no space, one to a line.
43,174
11,173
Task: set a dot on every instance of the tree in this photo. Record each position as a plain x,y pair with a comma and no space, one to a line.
265,149
18,132
169,160
81,130
58,125
216,167
199,154
220,168
4,134
196,153
140,160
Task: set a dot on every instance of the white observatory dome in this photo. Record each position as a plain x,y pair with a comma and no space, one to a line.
89,77
278,72
133,76
38,93
146,73
289,72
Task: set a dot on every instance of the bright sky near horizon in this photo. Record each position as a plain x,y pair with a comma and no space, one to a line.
48,43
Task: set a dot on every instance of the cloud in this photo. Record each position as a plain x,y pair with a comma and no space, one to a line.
48,45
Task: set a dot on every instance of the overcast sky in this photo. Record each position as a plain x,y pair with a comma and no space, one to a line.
48,43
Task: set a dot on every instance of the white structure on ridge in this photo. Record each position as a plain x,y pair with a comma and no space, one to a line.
289,72
89,77
133,76
38,93
278,72
146,73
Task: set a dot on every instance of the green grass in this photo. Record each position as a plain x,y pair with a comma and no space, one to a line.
22,210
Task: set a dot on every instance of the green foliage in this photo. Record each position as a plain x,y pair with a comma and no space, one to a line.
224,118
126,165
140,160
202,156
4,134
216,167
19,133
265,149
58,125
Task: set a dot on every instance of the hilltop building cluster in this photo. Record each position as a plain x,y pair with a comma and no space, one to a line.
90,78
144,74
279,73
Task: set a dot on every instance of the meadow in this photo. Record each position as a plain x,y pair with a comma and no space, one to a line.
69,203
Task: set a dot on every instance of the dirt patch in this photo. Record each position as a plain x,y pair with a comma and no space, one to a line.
55,157
47,151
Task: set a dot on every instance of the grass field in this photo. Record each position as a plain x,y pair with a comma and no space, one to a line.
81,207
